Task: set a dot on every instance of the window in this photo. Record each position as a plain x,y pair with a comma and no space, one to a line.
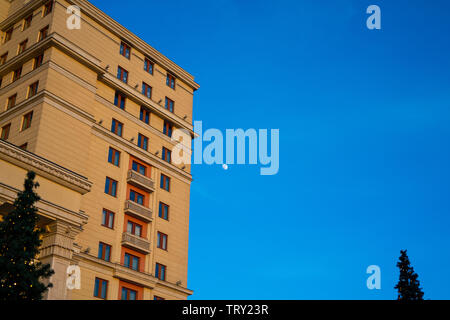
131,261
117,127
167,129
8,35
160,271
33,88
122,74
165,182
38,61
142,142
137,197
26,121
148,66
27,22
114,156
163,211
108,218
100,288
22,46
43,34
119,100
11,102
3,58
5,131
111,187
146,90
139,168
166,154
104,251
128,294
48,8
16,74
162,241
169,104
24,146
170,81
158,298
134,228
145,115
125,50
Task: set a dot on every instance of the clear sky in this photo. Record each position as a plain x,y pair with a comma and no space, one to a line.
364,142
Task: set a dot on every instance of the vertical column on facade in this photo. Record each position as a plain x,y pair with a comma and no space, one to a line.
57,250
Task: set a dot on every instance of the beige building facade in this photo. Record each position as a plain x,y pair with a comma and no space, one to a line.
92,111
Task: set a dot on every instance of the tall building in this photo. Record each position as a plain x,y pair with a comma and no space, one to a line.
92,110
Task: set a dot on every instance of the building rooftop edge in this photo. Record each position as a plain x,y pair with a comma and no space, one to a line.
119,30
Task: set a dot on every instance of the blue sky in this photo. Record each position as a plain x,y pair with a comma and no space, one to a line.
364,142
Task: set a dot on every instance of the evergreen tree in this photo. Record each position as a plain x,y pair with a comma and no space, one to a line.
20,273
408,286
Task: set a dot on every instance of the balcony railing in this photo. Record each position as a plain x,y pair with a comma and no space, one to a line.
138,180
134,242
138,211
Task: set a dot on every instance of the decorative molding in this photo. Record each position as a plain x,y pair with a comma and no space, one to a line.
140,99
52,40
21,13
136,120
137,152
140,278
137,43
76,220
44,167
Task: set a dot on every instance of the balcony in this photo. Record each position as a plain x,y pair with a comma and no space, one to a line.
140,181
136,243
138,211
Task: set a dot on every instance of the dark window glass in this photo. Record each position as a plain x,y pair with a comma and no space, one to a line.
125,50
170,105
163,211
100,288
108,218
167,129
170,81
114,156
111,187
119,100
165,182
104,251
146,90
145,115
137,197
122,74
160,271
139,168
117,127
148,66
143,142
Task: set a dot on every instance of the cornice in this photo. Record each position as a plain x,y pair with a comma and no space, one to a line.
44,167
76,220
140,153
140,278
139,122
123,33
20,14
140,99
53,40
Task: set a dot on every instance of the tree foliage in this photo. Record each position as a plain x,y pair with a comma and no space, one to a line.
20,274
408,286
